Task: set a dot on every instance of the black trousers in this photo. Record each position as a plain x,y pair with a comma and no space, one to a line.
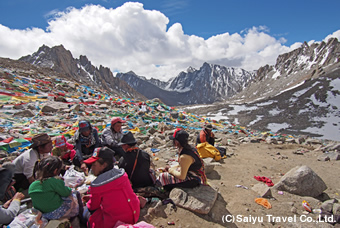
186,184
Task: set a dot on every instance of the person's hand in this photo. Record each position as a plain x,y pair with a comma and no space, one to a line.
84,168
166,169
170,170
19,196
86,198
67,167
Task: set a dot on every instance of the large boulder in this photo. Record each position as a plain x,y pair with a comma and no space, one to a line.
302,181
199,200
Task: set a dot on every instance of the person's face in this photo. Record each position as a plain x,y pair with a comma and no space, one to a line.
97,168
63,150
125,147
176,144
86,133
45,149
117,127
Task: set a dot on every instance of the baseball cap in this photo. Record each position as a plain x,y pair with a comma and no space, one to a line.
101,152
116,120
60,141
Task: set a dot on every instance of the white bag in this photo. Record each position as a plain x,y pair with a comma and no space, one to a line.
73,178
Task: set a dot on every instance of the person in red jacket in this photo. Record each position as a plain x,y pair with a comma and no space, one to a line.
111,196
206,135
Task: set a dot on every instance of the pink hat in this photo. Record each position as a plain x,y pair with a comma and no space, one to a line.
116,120
60,141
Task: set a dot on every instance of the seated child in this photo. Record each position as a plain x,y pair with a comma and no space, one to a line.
63,149
49,194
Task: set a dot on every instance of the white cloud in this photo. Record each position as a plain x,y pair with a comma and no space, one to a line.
132,38
335,34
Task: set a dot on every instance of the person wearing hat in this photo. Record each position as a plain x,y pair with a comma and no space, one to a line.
112,198
86,140
206,135
40,148
190,171
63,149
112,135
135,162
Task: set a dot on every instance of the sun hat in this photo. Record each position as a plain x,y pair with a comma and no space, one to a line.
116,120
101,152
60,141
40,139
128,138
179,135
84,125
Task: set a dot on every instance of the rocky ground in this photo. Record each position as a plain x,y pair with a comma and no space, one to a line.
246,161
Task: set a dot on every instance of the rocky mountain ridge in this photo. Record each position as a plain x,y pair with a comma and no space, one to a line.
298,95
291,69
209,84
81,70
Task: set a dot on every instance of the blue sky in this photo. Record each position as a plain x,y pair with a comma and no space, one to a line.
161,38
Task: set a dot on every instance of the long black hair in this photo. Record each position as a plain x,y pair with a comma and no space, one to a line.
45,168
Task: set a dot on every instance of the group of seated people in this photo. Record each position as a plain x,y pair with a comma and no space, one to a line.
116,193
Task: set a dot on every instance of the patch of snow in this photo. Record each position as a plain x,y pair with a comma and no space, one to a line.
274,127
330,130
274,112
265,103
324,58
197,106
290,88
258,118
277,74
218,116
239,108
303,60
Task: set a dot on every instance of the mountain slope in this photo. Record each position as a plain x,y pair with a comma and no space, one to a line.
293,97
81,70
209,84
292,69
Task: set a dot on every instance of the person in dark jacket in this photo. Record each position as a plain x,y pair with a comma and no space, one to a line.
86,140
135,162
206,135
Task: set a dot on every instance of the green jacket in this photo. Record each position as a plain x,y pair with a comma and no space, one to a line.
46,196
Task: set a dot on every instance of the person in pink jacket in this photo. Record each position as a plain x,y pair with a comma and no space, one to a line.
111,196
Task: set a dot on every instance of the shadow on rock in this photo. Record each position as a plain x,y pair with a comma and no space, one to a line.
214,175
218,213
